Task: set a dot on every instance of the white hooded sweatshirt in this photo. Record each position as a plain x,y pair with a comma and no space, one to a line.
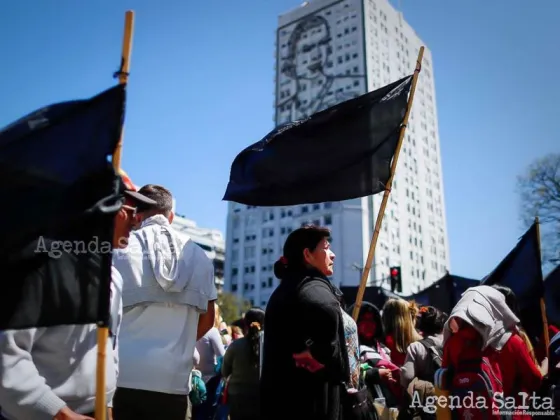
485,309
168,281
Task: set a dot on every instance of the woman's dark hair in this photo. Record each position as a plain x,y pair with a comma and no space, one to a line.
254,323
238,323
307,237
430,320
511,299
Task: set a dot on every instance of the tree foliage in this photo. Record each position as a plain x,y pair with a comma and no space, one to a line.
231,307
539,189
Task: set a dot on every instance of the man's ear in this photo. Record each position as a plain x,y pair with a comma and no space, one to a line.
171,216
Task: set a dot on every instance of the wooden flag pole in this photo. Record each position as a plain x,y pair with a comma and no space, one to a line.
103,330
546,336
123,73
379,219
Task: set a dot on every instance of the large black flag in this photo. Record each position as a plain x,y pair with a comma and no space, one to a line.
552,296
521,271
338,154
59,197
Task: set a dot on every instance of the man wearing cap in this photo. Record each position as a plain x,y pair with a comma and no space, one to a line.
50,373
168,299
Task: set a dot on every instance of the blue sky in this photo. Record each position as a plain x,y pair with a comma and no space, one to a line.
201,89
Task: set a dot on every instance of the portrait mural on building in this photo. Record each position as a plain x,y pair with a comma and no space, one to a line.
309,64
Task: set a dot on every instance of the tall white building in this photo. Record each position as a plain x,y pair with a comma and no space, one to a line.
328,51
210,240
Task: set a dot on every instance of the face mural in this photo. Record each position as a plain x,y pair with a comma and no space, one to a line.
317,71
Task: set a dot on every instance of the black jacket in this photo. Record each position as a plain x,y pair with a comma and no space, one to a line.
303,308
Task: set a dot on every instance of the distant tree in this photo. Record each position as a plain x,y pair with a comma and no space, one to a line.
231,307
539,189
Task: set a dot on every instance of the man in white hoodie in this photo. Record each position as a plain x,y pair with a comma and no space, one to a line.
168,300
50,372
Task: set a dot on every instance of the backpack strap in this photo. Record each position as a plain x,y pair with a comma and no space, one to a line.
428,343
431,346
435,351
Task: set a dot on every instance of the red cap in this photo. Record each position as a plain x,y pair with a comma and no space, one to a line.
127,181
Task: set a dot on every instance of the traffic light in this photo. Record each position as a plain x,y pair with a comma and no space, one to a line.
396,281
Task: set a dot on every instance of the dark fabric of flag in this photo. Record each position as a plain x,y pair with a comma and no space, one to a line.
552,296
340,153
521,271
442,294
373,294
59,198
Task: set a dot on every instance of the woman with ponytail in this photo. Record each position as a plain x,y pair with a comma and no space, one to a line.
306,372
241,366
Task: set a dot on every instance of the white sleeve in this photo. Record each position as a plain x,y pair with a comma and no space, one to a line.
196,357
200,270
23,391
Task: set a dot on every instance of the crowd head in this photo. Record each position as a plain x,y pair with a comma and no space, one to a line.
509,295
254,323
399,321
163,198
370,326
306,248
430,321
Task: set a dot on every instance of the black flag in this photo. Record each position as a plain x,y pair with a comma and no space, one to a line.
338,154
59,198
552,296
521,271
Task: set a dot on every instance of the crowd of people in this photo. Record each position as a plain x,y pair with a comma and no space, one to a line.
171,356
414,362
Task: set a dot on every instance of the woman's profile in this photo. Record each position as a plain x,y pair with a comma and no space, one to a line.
304,371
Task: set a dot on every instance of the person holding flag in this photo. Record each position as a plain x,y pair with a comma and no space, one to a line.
49,372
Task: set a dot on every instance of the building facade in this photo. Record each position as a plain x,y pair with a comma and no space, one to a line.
329,51
210,240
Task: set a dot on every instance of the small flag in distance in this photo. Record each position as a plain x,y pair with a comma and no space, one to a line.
56,243
340,153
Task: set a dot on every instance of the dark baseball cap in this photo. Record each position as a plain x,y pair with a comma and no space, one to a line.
131,191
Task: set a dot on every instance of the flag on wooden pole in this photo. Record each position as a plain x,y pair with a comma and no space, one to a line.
61,194
103,329
521,271
381,213
338,154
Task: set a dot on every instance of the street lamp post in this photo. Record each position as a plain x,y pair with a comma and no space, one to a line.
359,269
